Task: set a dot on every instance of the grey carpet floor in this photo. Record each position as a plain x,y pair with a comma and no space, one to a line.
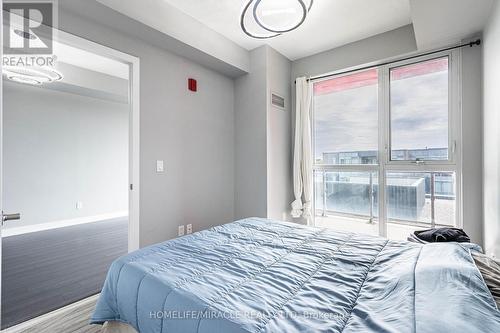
46,270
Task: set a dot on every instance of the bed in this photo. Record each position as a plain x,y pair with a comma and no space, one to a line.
259,275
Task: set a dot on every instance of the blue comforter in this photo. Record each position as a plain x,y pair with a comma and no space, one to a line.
258,275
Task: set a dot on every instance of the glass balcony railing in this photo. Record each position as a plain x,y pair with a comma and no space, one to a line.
419,199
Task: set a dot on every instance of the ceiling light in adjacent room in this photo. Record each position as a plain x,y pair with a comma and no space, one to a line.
24,34
25,79
31,75
264,19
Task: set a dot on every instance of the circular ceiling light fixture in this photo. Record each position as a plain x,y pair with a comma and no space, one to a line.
263,19
32,75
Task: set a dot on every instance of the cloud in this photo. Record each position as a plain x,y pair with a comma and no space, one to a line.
348,120
419,113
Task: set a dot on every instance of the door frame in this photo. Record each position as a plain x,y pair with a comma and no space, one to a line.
134,124
1,155
134,137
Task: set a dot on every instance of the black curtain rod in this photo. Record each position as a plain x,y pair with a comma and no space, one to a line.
471,44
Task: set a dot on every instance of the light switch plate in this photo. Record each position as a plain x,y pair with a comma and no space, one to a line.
79,205
189,229
160,166
181,230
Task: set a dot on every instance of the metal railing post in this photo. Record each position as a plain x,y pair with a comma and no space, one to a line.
433,201
371,198
324,193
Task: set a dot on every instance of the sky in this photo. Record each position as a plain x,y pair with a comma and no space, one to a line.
347,120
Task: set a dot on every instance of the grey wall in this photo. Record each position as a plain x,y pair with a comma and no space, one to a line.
472,143
224,130
166,18
263,138
397,43
187,39
279,138
192,132
379,47
491,136
250,108
60,148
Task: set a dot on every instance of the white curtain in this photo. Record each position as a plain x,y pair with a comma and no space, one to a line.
302,156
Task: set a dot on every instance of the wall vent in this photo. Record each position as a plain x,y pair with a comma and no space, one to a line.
277,101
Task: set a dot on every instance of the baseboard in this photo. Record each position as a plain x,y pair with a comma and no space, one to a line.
53,319
7,232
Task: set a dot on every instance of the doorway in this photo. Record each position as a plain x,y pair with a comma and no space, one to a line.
70,176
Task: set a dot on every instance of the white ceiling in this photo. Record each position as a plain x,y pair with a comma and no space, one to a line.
86,59
331,23
90,60
441,22
86,73
213,26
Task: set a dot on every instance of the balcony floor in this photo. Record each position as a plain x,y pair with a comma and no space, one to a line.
361,226
444,210
445,214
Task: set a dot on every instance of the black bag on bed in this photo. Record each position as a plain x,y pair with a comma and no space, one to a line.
443,235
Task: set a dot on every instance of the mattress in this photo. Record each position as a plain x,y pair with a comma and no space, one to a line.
258,275
117,327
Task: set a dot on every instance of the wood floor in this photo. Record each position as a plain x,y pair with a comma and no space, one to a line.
71,319
44,271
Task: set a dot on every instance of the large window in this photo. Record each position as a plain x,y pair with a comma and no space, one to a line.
349,135
419,111
385,148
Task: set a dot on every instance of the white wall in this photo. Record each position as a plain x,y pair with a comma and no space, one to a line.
397,43
60,148
491,136
192,132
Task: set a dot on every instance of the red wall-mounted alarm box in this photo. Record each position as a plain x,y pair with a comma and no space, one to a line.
192,85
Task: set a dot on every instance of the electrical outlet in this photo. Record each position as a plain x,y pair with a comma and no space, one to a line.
79,205
189,229
181,230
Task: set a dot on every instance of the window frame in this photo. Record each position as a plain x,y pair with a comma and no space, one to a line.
385,164
313,129
452,123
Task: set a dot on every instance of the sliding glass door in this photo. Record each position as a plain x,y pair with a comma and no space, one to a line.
386,148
